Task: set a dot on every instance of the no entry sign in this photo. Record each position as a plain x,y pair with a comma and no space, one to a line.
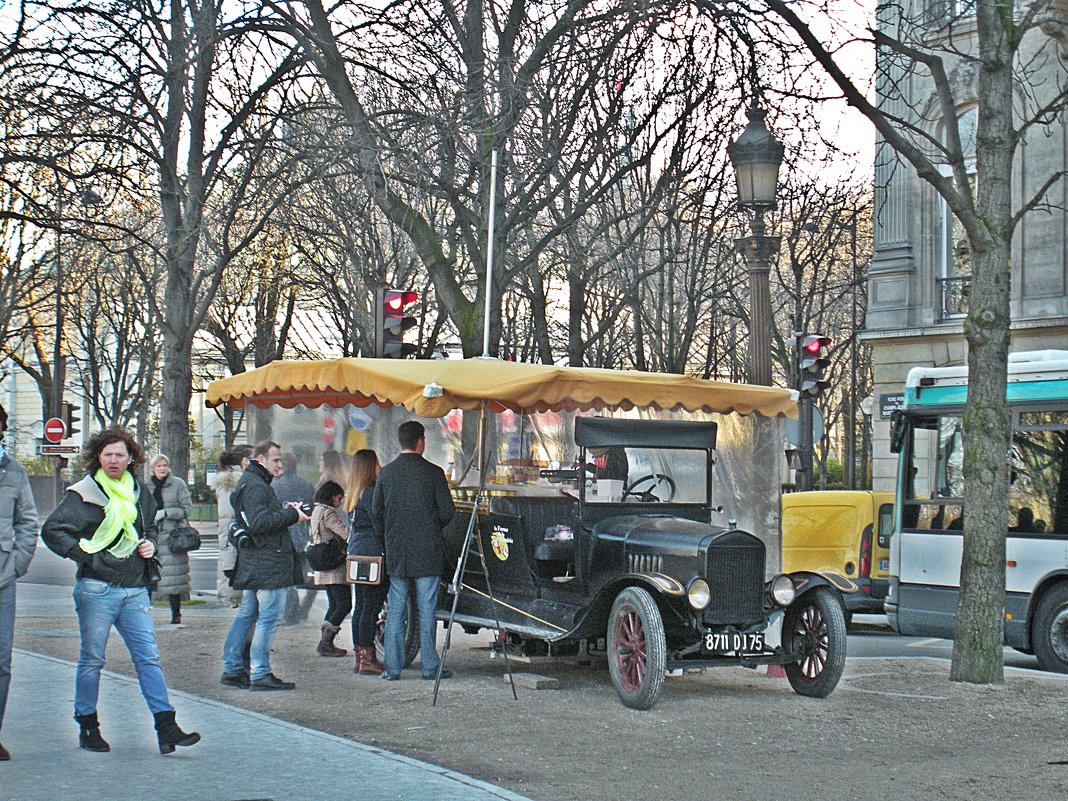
54,430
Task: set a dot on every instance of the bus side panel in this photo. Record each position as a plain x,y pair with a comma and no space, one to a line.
926,611
1030,559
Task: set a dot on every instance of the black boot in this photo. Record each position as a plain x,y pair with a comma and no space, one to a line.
89,736
169,735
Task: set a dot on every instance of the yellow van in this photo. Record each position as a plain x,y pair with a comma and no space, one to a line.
845,532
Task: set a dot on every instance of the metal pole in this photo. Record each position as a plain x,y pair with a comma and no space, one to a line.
58,361
758,250
489,254
851,405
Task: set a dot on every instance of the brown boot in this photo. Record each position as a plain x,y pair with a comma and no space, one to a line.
326,645
369,663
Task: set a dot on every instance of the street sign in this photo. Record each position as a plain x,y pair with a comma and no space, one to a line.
54,430
58,450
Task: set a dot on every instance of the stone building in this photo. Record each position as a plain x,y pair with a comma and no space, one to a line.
920,273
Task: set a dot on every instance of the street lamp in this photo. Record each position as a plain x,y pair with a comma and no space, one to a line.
756,156
59,366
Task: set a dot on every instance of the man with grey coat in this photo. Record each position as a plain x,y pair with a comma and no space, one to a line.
18,541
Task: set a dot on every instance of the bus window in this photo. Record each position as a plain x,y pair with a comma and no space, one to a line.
937,459
1038,493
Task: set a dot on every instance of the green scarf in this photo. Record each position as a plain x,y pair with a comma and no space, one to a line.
120,514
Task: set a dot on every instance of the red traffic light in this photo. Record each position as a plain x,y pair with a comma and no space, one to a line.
814,343
397,299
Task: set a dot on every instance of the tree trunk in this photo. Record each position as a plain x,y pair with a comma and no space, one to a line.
979,638
174,400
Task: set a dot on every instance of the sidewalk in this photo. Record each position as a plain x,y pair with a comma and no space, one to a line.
243,754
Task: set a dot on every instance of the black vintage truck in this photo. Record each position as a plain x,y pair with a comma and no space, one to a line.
633,567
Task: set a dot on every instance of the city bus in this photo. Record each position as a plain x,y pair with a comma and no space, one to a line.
927,543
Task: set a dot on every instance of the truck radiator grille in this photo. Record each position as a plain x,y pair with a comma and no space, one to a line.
736,579
645,563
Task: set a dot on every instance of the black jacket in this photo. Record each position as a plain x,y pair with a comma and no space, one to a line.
364,540
271,562
412,505
77,517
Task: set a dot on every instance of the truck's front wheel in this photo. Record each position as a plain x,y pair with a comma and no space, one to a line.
637,648
814,631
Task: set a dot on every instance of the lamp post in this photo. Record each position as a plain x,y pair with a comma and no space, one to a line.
59,361
756,156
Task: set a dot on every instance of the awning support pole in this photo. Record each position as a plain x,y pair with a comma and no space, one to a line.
456,587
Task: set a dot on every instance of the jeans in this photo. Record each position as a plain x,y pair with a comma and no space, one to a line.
369,598
265,608
339,597
100,606
426,599
7,639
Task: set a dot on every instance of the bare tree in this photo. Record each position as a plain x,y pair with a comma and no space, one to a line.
1007,67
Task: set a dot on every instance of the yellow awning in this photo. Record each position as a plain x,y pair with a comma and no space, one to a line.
432,388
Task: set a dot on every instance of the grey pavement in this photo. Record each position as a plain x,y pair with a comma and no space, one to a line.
243,755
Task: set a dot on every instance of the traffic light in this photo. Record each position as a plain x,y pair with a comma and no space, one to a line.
391,323
71,418
813,364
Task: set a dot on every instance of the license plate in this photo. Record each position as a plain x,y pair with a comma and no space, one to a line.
733,642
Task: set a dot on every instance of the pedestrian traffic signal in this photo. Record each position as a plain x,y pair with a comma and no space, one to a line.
813,364
71,418
392,322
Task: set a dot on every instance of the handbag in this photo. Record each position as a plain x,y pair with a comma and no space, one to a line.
183,540
153,572
363,569
323,556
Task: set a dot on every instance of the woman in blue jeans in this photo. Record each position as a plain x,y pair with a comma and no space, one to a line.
363,541
105,523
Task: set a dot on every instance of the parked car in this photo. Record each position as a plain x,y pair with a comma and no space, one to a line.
841,534
635,569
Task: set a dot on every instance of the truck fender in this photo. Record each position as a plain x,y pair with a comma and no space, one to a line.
659,586
805,580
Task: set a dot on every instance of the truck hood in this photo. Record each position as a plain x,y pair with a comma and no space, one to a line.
669,536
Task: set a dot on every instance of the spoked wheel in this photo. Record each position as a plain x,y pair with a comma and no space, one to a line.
637,648
411,632
814,630
1050,633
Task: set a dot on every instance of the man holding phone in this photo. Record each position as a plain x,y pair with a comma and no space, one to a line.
267,565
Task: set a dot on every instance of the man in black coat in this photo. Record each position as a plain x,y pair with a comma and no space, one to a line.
267,565
412,506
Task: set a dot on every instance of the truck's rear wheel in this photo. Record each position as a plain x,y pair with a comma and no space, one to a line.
1049,634
637,648
814,630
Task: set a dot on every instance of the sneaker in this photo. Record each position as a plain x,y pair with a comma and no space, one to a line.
239,680
4,755
445,674
271,682
391,676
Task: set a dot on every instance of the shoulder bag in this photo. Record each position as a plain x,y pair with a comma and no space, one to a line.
323,556
183,539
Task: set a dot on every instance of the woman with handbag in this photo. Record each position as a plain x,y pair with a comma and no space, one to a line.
173,507
327,526
105,523
363,541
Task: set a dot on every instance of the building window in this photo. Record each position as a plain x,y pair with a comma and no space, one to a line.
955,259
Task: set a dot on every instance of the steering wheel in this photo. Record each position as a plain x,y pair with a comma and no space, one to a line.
654,480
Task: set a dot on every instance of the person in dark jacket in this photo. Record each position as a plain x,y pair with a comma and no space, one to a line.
365,541
105,523
412,505
18,541
267,566
291,486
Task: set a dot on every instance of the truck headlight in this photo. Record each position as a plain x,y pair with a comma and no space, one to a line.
697,593
783,591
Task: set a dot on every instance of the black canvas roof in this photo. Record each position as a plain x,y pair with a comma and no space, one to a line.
606,431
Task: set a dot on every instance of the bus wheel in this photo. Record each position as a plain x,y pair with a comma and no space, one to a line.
814,631
1049,635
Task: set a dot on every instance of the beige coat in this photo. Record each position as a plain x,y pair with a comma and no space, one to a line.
326,523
